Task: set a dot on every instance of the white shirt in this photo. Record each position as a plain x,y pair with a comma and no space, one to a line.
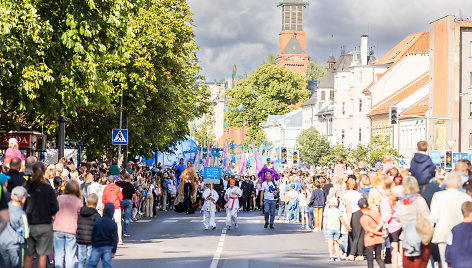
268,188
353,197
302,200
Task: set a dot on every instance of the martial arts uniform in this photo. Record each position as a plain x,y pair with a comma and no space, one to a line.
232,206
209,208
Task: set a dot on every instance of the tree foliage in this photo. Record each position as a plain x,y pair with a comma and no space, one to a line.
269,90
315,70
270,59
313,146
83,55
371,153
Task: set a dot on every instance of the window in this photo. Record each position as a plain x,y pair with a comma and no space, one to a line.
343,109
323,95
342,136
470,140
470,49
360,135
470,80
330,127
360,77
360,105
470,111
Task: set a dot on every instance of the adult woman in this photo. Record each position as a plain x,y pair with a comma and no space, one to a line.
356,235
365,184
65,225
412,206
40,206
377,192
88,179
446,211
187,192
387,211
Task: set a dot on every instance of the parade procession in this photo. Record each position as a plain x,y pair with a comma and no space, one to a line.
222,133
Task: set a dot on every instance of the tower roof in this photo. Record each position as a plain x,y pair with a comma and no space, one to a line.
293,2
293,47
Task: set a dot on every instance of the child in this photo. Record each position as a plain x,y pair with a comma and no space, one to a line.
332,224
104,239
13,238
303,207
372,224
459,248
292,203
210,196
232,205
87,217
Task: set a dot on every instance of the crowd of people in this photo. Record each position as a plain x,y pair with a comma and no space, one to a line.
65,214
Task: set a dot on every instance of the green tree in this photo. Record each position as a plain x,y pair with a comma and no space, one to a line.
270,59
313,146
315,70
202,132
83,55
379,147
255,134
269,90
337,151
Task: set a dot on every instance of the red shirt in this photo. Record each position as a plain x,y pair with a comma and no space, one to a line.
112,194
369,221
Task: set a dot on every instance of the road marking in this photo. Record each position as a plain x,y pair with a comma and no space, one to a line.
169,221
144,221
219,249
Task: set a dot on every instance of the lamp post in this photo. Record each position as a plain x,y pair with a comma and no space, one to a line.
62,133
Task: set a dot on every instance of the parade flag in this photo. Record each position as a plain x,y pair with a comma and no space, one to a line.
207,161
257,158
233,76
242,164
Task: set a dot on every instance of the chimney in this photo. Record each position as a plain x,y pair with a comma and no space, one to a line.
364,40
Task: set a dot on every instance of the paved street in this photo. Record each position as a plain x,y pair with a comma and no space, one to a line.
179,240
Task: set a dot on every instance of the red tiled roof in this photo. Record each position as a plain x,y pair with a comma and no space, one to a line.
417,109
413,43
384,105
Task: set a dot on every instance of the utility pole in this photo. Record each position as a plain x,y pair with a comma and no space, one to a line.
62,133
125,157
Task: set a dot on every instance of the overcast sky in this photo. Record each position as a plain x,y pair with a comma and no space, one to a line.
244,32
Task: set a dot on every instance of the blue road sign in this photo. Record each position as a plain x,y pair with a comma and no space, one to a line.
436,157
119,137
211,174
458,156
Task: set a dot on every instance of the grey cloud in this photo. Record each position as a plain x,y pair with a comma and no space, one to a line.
243,32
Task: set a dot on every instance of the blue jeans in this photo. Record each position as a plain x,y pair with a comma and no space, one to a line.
64,250
84,254
126,206
269,209
100,253
310,217
292,209
282,209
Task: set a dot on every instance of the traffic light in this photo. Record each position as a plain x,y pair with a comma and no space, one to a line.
283,155
393,115
295,158
448,164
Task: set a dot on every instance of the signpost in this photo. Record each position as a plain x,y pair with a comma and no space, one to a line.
211,175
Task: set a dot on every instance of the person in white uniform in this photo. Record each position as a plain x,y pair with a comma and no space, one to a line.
209,206
232,205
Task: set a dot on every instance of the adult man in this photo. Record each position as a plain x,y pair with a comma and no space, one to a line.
29,162
16,179
126,204
267,198
165,189
422,167
232,206
178,171
247,187
210,196
112,194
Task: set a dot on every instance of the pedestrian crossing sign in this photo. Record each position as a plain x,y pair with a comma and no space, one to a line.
119,137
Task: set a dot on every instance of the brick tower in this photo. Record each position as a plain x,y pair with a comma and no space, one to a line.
292,54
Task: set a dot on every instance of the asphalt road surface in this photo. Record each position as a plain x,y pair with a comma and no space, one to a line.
179,240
